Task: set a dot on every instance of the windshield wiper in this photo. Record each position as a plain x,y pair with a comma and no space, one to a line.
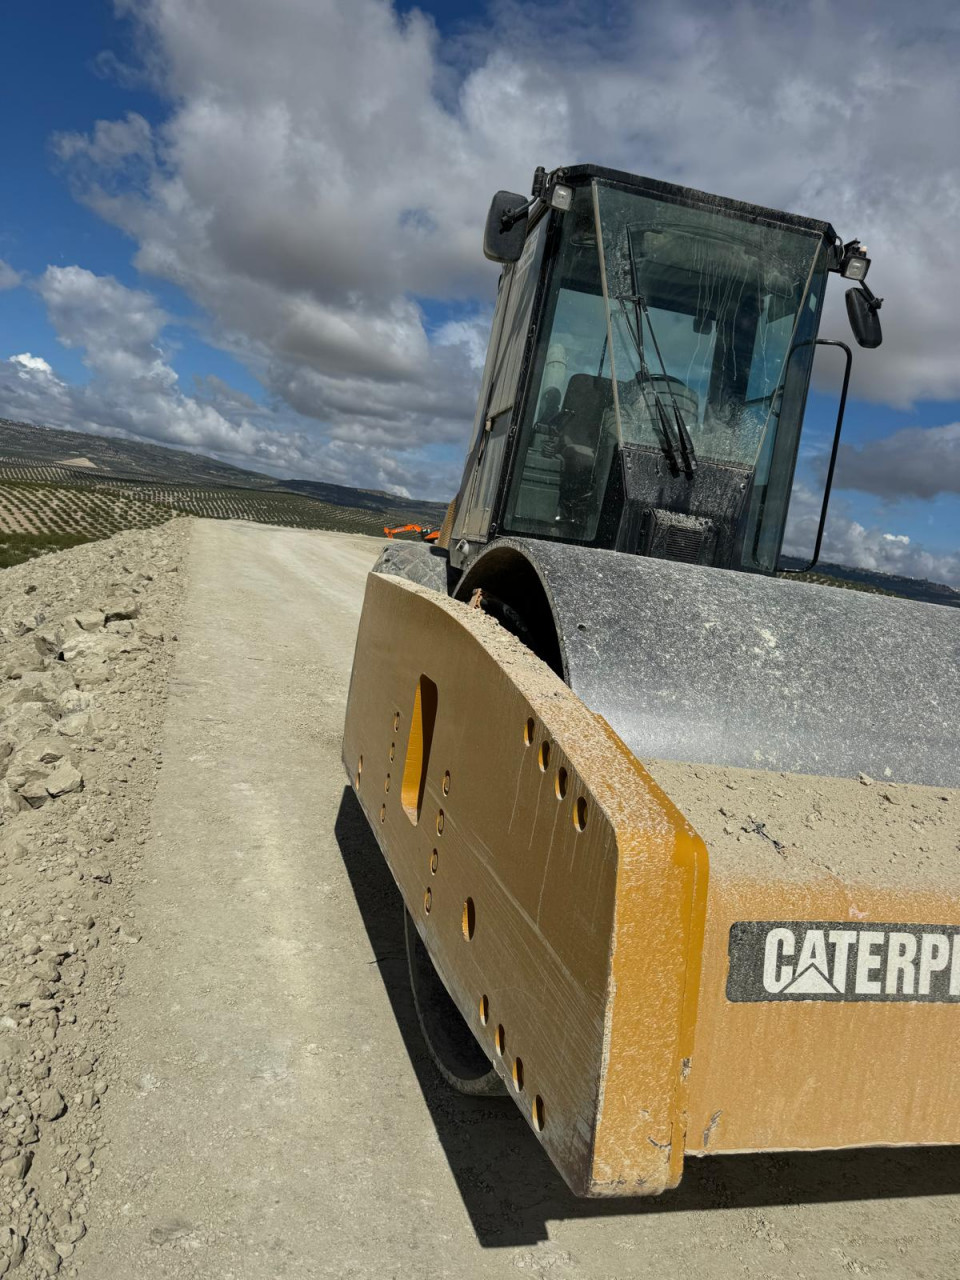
644,379
643,314
686,444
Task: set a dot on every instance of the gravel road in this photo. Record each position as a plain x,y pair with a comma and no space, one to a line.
272,1113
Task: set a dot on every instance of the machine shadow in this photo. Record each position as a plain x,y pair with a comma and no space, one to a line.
509,1187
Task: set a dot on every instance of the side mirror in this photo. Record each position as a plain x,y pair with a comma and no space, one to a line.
862,311
504,243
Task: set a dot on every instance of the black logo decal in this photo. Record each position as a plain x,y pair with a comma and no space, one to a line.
843,961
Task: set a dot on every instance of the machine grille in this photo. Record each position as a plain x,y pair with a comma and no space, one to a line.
672,535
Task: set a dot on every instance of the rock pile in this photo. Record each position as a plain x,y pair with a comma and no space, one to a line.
85,642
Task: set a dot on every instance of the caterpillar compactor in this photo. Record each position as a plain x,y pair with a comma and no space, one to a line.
676,834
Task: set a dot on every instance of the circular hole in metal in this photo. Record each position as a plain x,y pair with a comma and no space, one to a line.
386,783
383,812
500,1039
528,730
484,1010
393,751
427,901
544,756
439,822
468,920
446,783
537,1114
434,862
580,813
396,721
561,787
518,1074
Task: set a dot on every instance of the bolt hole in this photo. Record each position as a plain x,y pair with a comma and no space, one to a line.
500,1039
469,919
386,784
528,729
393,751
518,1074
580,813
538,1114
484,1010
383,813
439,822
446,783
544,755
427,901
396,721
359,767
434,862
561,782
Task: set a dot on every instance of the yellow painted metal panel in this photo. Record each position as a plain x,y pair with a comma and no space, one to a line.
583,881
811,1074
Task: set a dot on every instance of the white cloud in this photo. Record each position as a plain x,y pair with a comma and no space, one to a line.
28,361
9,279
849,542
852,543
916,462
111,145
116,327
133,389
31,391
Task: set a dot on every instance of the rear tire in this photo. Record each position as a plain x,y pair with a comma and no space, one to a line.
454,1048
418,562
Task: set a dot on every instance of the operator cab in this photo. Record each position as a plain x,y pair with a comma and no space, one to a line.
648,368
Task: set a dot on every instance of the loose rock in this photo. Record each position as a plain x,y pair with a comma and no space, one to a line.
64,779
90,619
73,797
52,1104
121,609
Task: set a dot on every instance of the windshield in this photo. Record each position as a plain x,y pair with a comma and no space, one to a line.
703,309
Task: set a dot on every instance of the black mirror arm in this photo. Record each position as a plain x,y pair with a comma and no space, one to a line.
828,342
873,301
513,216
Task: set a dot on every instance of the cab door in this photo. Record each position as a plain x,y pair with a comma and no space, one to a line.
499,390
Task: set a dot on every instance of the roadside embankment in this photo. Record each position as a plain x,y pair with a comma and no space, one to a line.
85,643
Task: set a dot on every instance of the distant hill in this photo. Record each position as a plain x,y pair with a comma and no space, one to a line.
75,456
369,499
891,584
58,488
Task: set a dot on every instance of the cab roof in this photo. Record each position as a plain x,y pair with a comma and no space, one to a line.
579,173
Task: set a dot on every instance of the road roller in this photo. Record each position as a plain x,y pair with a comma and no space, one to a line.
677,831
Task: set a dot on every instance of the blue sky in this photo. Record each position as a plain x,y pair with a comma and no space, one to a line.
203,202
59,71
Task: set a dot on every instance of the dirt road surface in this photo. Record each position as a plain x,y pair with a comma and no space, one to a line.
276,1115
